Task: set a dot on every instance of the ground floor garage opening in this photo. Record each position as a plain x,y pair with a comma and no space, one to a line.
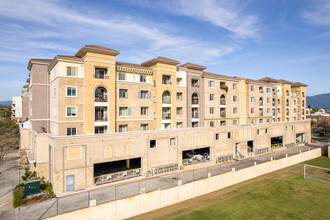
194,156
116,170
276,142
300,138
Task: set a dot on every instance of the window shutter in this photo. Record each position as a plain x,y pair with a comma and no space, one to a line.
129,111
139,94
149,95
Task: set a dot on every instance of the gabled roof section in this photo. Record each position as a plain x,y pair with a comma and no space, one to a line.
298,84
285,81
268,79
96,49
132,65
193,66
208,74
160,60
65,58
38,61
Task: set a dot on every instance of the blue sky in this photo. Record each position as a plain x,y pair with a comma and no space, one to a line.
287,39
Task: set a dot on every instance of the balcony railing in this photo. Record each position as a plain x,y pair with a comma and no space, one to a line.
261,103
222,102
194,102
101,76
101,99
222,114
195,160
168,82
112,177
166,116
101,117
261,113
195,115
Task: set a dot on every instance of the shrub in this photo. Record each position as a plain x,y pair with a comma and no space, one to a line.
18,195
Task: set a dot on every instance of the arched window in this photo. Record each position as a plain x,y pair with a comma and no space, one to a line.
261,102
194,99
166,98
222,100
101,94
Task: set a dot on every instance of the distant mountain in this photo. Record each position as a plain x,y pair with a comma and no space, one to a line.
5,103
319,101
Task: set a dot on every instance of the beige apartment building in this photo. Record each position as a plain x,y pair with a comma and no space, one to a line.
95,120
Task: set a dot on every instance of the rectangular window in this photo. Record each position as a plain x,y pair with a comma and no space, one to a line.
143,94
71,71
122,76
194,83
257,131
71,91
152,143
122,128
267,90
179,81
268,100
71,111
234,122
234,85
71,131
268,110
217,136
179,125
143,78
211,123
144,110
252,121
179,110
144,127
123,93
211,110
229,134
266,130
211,84
235,110
252,110
123,111
252,88
211,97
253,100
100,129
234,98
100,73
172,141
179,96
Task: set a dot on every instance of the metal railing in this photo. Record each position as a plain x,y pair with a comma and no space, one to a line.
278,145
112,177
195,160
101,76
164,169
101,99
262,151
65,204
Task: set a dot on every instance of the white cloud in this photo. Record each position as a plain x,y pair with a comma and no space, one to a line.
37,28
320,15
229,15
11,84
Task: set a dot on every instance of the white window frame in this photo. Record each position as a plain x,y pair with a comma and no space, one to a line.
74,67
66,93
71,131
66,111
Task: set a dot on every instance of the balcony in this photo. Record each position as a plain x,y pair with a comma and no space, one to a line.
167,80
222,112
101,76
194,115
101,114
222,100
194,83
261,113
101,117
103,98
166,114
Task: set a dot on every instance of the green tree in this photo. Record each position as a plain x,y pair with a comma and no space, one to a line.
9,131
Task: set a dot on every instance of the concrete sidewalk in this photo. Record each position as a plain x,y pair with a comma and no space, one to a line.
10,175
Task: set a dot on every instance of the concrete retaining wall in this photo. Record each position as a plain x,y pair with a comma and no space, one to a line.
132,206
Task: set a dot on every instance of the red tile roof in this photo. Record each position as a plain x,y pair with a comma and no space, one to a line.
218,75
298,84
158,60
268,79
68,56
285,81
193,65
41,60
102,48
132,65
